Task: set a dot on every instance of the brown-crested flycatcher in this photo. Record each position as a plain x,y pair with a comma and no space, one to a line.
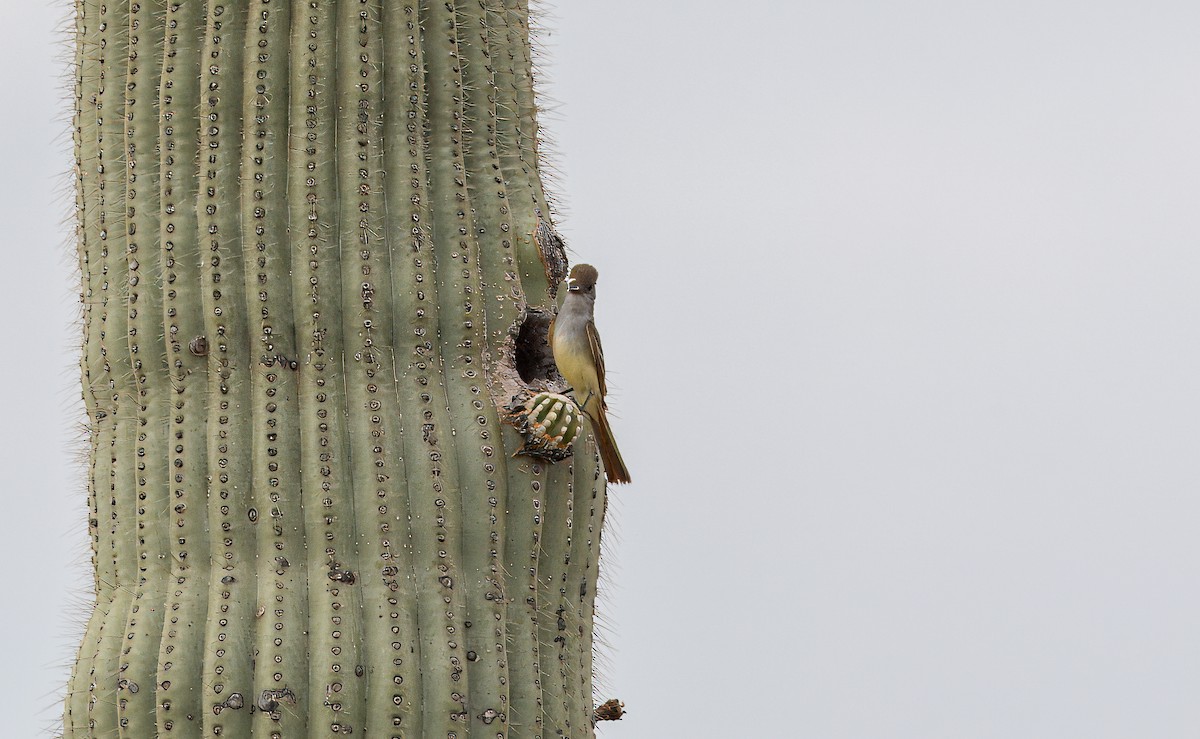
580,359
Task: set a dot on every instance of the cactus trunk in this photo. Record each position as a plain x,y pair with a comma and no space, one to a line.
309,234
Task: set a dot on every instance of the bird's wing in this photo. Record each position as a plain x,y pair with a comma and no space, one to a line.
597,358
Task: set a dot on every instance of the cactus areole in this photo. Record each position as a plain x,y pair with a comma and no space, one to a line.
313,239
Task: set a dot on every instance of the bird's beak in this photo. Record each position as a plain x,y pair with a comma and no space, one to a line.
571,286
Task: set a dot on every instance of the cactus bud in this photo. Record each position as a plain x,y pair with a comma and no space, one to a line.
549,422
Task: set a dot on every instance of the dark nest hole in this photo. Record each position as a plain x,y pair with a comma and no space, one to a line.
534,359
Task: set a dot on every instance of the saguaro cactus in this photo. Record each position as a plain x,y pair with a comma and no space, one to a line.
314,246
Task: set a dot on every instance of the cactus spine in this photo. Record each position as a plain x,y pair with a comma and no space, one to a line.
307,241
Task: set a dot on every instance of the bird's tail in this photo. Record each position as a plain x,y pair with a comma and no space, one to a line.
614,466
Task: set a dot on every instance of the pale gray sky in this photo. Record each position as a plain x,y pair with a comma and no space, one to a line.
900,305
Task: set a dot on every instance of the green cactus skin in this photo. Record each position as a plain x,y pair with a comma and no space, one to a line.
306,240
147,352
224,247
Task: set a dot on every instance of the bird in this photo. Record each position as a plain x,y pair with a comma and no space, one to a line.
580,359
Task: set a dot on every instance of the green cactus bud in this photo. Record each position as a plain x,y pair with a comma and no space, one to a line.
550,423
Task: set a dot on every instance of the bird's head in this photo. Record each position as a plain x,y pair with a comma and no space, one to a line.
583,279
